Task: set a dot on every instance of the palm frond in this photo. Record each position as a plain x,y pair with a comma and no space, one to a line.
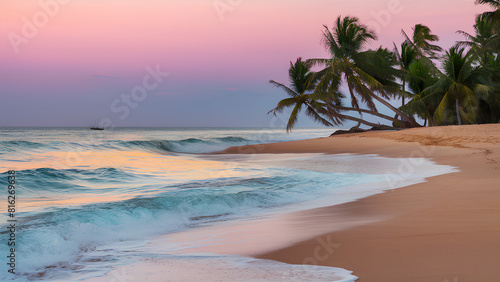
293,117
311,112
285,103
289,91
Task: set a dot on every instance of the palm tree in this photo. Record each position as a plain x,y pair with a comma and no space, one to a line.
299,74
405,58
492,16
420,76
300,91
422,41
484,43
458,89
369,75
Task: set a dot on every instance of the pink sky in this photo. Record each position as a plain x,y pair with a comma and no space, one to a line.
250,44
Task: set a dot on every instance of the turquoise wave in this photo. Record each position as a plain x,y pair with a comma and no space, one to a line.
72,233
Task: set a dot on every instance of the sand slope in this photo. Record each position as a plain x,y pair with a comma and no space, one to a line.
447,229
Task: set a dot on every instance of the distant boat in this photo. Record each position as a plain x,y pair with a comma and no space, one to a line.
95,127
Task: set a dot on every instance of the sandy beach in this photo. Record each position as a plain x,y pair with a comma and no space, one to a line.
446,229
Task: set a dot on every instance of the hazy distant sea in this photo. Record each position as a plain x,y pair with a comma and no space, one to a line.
87,201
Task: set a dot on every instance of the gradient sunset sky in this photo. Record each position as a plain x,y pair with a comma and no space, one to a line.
87,53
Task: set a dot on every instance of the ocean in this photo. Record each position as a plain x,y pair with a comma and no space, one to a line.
88,203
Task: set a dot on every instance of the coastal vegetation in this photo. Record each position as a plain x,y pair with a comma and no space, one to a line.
435,86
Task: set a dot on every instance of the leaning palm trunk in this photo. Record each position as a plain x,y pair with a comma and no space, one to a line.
397,111
367,112
358,120
332,112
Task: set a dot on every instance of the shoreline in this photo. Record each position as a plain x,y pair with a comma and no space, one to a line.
446,229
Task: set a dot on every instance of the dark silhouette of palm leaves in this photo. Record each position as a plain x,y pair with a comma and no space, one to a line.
422,41
491,16
459,89
300,76
465,90
369,75
484,43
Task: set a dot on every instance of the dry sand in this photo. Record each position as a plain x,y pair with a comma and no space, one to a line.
447,229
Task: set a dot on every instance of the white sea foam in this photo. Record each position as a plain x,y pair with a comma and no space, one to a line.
222,268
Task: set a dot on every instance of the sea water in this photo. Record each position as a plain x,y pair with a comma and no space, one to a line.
89,202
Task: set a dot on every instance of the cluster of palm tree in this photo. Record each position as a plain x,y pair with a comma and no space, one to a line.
437,87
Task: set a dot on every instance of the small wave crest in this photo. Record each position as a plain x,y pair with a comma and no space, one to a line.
40,180
189,145
14,145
